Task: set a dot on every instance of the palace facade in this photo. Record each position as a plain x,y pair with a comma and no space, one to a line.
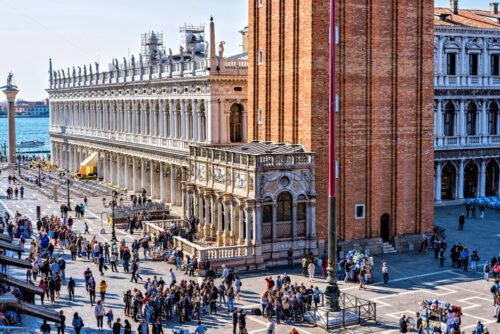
467,102
175,125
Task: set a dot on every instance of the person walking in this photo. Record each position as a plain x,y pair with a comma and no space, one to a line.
127,328
403,324
45,327
461,222
61,325
86,228
419,324
311,268
117,327
290,258
71,289
486,270
270,326
99,314
92,290
385,273
133,269
77,323
102,289
143,327
109,318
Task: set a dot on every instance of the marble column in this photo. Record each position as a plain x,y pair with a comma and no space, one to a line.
162,183
135,176
119,170
11,93
438,182
240,225
127,172
143,175
275,207
482,185
219,223
152,174
461,180
248,225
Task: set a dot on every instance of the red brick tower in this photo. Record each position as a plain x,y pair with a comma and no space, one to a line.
385,111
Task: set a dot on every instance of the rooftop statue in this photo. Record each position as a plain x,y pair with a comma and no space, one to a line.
10,82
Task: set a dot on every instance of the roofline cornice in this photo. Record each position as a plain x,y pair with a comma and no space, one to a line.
474,30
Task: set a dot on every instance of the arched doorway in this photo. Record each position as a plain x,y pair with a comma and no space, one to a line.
284,205
384,227
491,179
236,123
470,180
448,181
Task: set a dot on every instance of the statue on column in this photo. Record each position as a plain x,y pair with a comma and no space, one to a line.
74,72
85,71
141,64
97,69
90,71
50,72
221,49
132,62
125,63
79,71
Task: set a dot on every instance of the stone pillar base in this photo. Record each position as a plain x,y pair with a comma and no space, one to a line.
220,239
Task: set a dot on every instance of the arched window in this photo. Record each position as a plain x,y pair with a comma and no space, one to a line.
267,210
449,119
471,119
492,118
284,207
236,123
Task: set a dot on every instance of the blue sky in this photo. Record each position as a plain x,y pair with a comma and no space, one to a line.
77,32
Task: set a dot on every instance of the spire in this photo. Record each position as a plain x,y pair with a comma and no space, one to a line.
213,59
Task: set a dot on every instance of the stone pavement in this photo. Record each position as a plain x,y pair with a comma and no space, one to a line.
414,276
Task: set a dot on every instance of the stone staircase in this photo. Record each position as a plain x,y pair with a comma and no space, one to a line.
388,248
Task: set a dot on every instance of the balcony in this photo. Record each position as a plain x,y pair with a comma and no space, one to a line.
444,143
464,81
132,138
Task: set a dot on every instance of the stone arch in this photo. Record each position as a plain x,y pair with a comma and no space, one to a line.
471,175
236,123
448,181
492,174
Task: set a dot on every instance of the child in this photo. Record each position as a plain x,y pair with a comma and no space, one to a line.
109,315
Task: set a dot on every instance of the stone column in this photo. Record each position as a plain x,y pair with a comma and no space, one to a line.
312,223
135,177
437,195
484,121
127,172
248,225
207,219
173,185
172,119
196,126
162,183
439,118
240,225
183,120
119,170
143,175
244,135
275,211
461,180
257,225
482,186
152,174
11,99
219,224
294,219
462,122
183,204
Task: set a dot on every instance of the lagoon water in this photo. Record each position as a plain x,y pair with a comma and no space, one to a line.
27,128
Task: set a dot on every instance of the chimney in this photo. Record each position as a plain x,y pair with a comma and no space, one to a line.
454,6
494,8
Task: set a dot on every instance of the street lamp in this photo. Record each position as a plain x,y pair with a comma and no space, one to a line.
68,182
39,175
112,204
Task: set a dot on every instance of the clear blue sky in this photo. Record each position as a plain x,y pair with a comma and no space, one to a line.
77,32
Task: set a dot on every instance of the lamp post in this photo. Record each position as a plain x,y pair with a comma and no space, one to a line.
332,292
112,204
68,182
39,175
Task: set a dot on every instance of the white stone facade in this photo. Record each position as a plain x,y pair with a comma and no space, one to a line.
466,110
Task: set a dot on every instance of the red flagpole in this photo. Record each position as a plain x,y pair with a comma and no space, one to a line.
332,292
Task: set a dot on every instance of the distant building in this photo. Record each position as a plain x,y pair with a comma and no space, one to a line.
467,102
28,108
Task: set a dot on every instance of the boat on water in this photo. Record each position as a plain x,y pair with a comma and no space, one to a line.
30,143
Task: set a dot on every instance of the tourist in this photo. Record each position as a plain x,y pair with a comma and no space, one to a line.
200,329
290,258
109,318
311,269
385,272
486,270
362,278
479,326
91,290
127,328
270,326
304,266
45,328
102,289
117,327
21,190
157,328
419,324
403,324
61,326
77,323
71,289
143,327
86,229
99,314
461,222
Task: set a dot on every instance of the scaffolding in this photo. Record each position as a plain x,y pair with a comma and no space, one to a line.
192,37
152,48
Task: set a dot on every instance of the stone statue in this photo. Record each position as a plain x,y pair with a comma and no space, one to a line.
193,53
85,71
74,72
55,76
141,64
79,71
132,60
117,68
170,59
69,76
10,76
90,71
125,63
97,68
221,49
181,49
50,71
59,74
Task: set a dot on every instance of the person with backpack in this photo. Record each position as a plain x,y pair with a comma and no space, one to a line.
385,273
494,289
133,269
486,270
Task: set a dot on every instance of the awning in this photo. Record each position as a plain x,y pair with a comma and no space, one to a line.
91,161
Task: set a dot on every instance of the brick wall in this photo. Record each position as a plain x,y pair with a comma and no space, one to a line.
385,85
